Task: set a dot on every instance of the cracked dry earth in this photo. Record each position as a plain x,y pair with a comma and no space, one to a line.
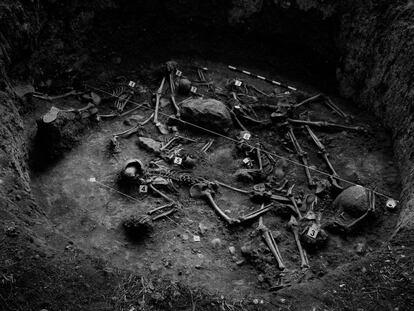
231,260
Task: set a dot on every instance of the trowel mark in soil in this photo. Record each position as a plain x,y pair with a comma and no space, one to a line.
91,215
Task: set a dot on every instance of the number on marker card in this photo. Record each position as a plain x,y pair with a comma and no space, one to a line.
143,189
246,160
237,83
193,89
313,231
132,84
178,73
246,136
178,160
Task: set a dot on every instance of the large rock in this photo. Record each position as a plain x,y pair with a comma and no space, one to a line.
208,113
352,200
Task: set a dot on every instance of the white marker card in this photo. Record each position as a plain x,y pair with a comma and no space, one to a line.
92,179
313,231
246,160
391,203
178,160
196,238
178,73
132,84
193,89
246,136
237,107
143,189
237,83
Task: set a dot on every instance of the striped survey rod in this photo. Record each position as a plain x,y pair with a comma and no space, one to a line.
263,78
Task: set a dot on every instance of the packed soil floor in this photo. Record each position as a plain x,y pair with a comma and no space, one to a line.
83,200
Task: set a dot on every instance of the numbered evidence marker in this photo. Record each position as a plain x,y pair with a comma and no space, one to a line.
178,160
193,89
132,84
246,136
237,83
92,179
246,160
143,189
391,204
178,73
313,231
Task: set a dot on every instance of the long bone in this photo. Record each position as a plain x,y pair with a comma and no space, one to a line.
202,190
335,108
294,227
259,156
176,138
133,129
122,101
271,243
160,193
152,211
165,214
310,201
302,155
157,101
207,145
322,124
238,121
293,200
271,196
263,209
308,100
172,88
325,156
327,102
52,98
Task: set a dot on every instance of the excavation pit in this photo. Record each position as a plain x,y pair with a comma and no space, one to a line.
84,205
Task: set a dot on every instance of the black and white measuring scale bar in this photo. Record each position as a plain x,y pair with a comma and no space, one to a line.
262,78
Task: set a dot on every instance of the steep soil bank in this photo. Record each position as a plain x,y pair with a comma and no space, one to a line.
377,71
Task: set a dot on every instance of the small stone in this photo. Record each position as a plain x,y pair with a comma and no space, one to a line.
185,236
198,266
149,144
279,173
202,228
256,301
246,250
240,262
260,278
361,248
96,99
243,175
216,242
232,250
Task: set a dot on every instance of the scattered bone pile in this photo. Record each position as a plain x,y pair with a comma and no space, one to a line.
234,112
